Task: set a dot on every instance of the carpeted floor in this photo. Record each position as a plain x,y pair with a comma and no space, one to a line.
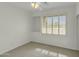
33,49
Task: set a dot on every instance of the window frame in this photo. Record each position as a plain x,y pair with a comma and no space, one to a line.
58,25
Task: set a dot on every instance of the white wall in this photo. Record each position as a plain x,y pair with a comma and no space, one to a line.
14,27
67,41
78,32
77,8
77,16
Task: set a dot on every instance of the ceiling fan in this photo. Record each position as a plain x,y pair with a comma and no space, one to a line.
38,5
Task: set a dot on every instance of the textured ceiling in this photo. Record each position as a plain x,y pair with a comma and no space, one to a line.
49,5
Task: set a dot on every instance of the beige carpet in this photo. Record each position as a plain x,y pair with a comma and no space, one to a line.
33,49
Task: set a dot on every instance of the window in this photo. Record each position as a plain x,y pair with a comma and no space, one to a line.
54,25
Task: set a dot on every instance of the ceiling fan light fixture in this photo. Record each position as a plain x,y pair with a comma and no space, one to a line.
35,5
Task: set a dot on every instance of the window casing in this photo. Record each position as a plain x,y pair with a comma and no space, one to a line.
54,25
